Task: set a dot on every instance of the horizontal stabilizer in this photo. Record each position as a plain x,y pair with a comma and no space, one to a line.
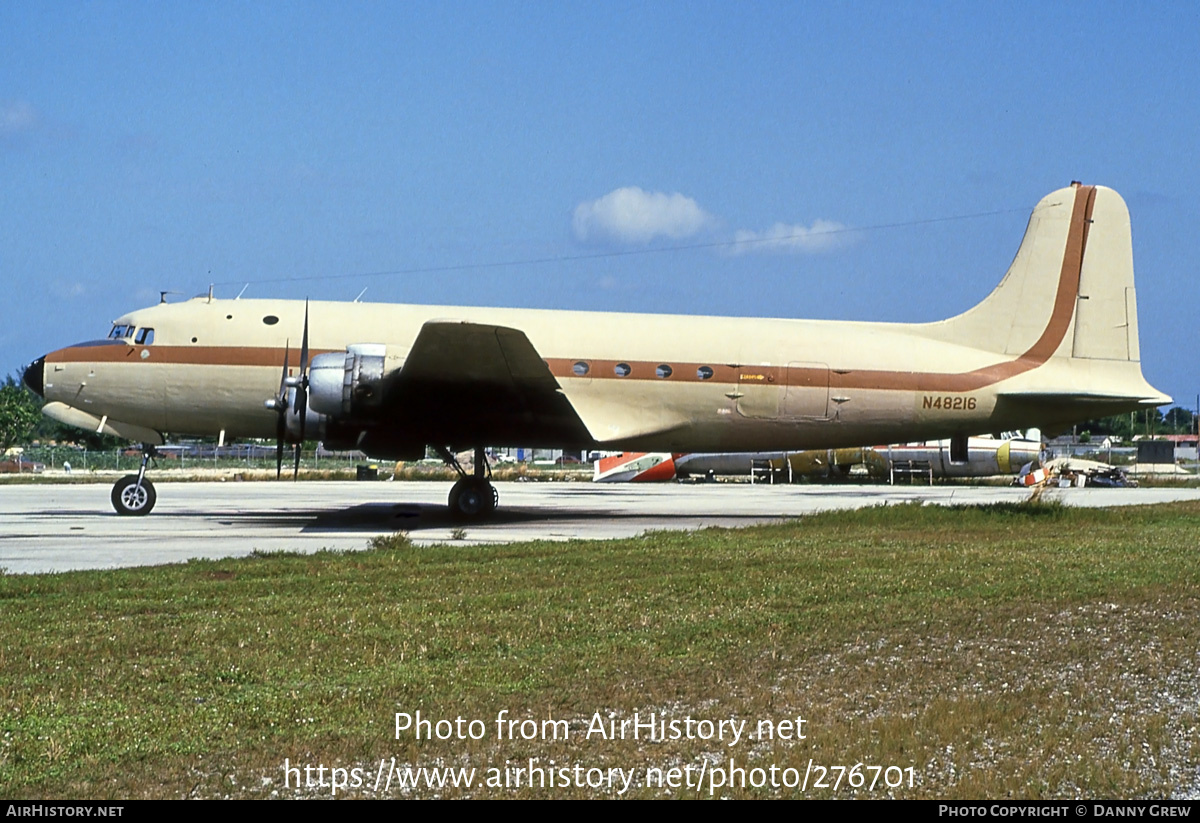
1098,398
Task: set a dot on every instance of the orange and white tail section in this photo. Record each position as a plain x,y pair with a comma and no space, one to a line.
635,467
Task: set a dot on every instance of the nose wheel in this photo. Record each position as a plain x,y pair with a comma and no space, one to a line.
133,495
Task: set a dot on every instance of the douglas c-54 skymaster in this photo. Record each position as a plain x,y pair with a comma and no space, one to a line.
1054,343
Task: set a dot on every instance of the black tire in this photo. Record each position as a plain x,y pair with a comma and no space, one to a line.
473,499
131,501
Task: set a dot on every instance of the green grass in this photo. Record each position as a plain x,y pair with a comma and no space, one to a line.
1024,651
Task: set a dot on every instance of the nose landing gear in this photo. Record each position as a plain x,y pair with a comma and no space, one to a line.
133,495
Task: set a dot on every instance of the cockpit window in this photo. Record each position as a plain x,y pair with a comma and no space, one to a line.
127,330
145,337
123,331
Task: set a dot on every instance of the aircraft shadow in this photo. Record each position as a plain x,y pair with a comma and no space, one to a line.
384,517
376,518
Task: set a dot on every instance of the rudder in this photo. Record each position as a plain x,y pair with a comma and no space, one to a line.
1106,306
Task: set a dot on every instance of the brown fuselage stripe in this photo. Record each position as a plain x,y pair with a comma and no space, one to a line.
1037,354
726,374
185,355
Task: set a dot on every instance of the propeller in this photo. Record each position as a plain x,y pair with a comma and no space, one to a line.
292,399
301,402
280,406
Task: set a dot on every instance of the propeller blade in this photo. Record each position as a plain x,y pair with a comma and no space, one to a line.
302,392
300,442
304,343
287,352
281,411
279,434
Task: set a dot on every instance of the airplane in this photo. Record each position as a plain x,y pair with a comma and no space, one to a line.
986,457
1056,342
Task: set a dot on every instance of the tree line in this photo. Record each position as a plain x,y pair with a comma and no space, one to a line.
22,421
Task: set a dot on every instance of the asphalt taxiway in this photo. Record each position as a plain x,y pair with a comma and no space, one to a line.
51,528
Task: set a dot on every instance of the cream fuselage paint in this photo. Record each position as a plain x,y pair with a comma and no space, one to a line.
1026,355
213,364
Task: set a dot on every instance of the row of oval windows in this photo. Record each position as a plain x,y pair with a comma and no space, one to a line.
581,369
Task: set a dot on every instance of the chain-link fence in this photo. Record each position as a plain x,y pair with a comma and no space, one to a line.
71,459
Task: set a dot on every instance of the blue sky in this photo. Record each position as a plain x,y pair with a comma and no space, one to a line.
167,146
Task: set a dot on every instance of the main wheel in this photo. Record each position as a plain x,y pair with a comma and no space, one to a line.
472,498
128,498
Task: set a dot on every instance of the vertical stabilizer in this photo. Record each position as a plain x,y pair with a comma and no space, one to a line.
1069,291
1033,307
1066,309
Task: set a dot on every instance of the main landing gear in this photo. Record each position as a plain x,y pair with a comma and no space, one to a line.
473,497
133,495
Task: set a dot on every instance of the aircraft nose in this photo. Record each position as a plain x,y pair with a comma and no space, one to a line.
35,377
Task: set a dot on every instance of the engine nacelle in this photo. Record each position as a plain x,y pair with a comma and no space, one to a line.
348,386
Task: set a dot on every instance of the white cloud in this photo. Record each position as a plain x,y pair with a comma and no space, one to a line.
821,236
17,116
632,215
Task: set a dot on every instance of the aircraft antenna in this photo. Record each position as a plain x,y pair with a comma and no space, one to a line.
765,241
361,293
243,291
210,291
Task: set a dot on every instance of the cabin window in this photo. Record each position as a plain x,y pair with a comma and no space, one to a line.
663,371
270,320
145,337
622,369
704,372
580,368
117,333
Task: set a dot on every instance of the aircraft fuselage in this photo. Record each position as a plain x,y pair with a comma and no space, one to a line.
679,383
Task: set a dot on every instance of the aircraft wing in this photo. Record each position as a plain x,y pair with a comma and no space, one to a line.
466,383
457,352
